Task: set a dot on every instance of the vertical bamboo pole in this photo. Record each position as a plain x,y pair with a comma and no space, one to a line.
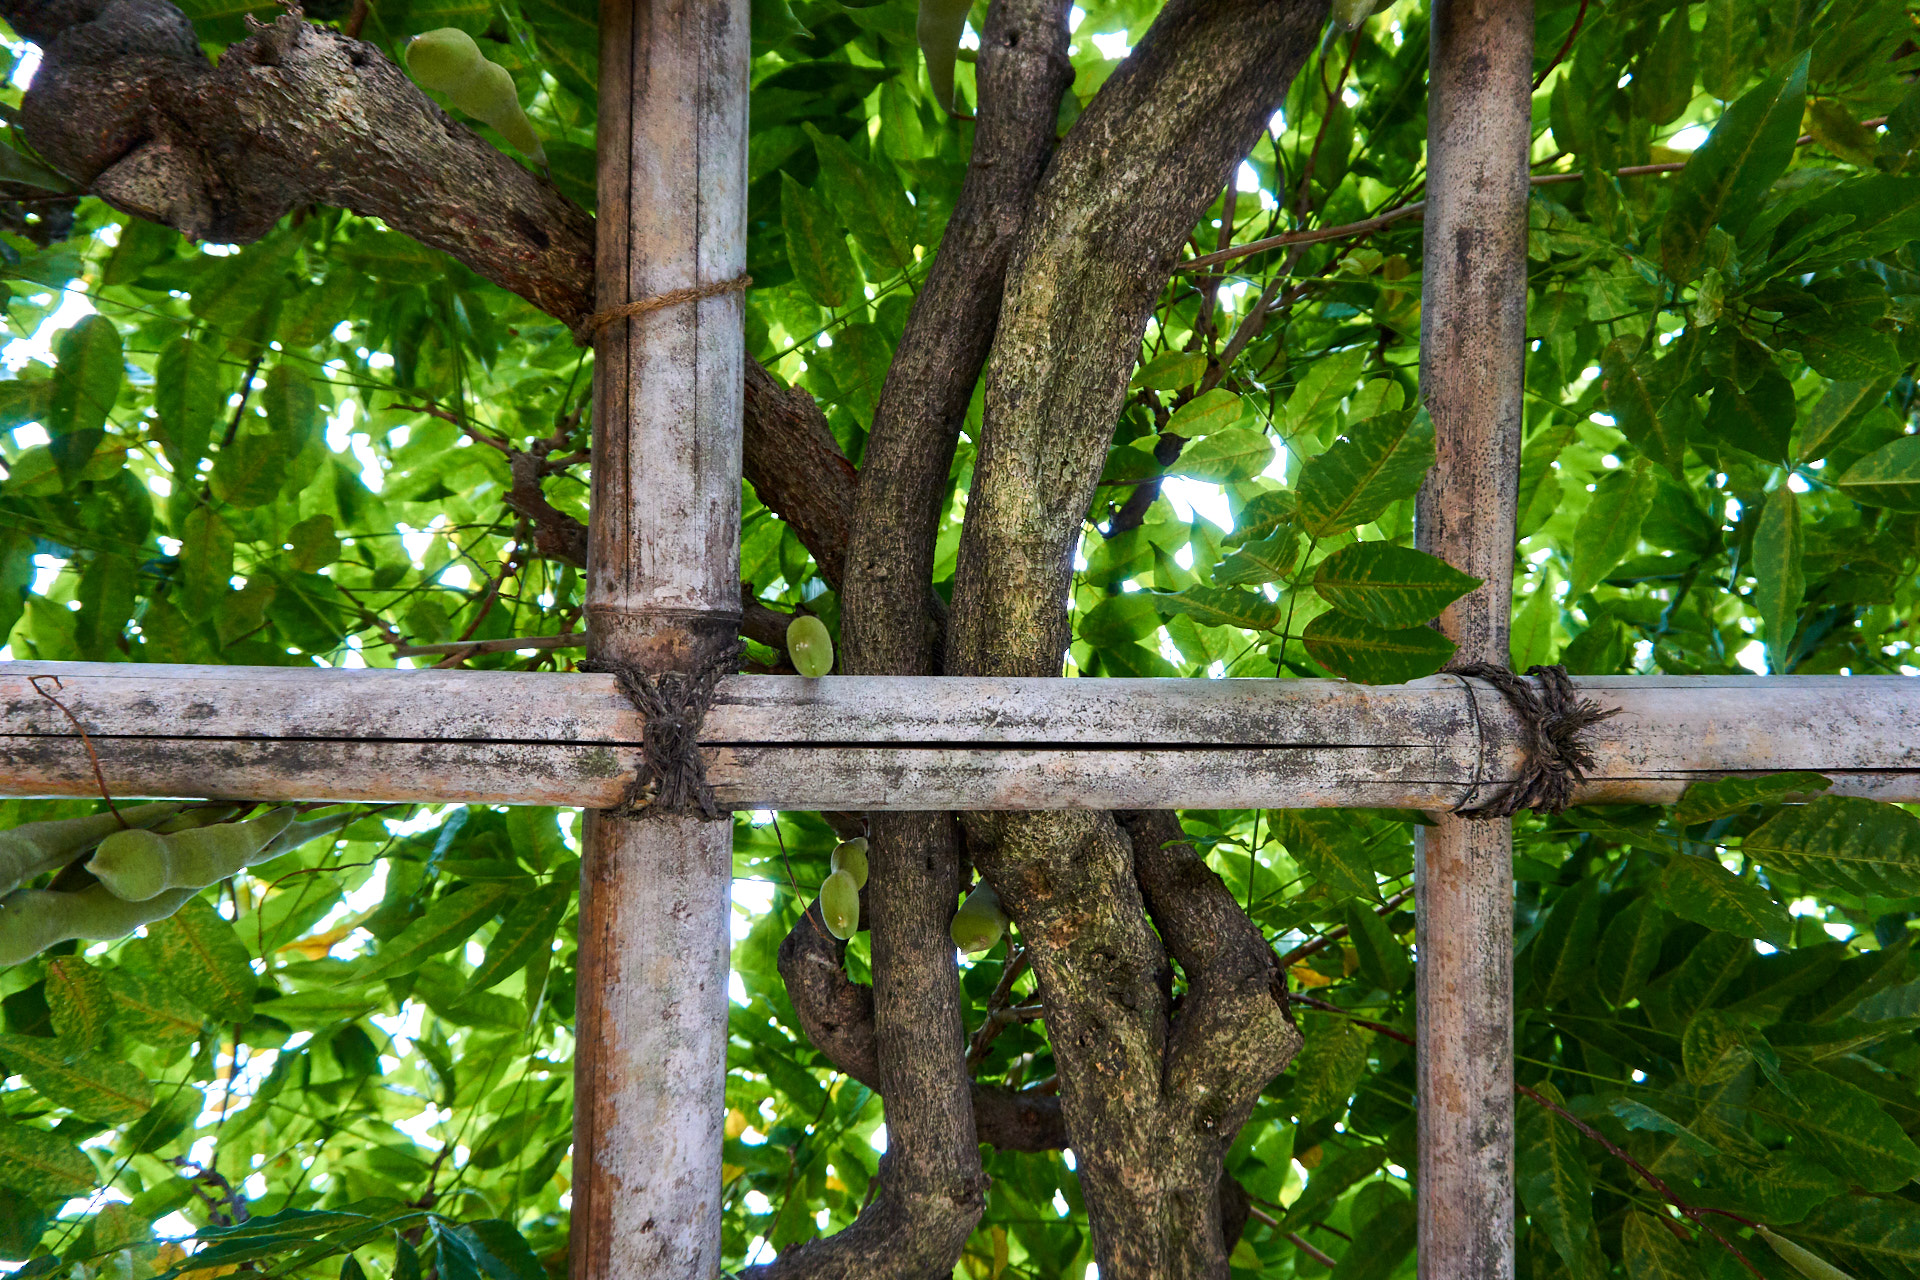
663,593
1472,348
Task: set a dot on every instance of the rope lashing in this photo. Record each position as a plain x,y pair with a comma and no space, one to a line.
1553,721
589,329
672,781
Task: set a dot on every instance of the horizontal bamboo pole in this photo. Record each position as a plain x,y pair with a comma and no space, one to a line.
900,742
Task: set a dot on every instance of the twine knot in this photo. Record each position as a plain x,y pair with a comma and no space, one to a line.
672,781
1553,721
589,329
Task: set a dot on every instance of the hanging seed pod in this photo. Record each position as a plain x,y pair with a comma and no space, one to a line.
850,856
34,919
1351,13
138,865
840,905
809,647
34,848
449,62
979,923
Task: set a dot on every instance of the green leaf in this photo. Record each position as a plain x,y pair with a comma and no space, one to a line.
1220,607
1319,392
1844,844
1638,1115
450,921
1887,477
1663,75
1837,413
1703,891
1757,418
1120,619
79,1001
1750,146
1718,797
1610,526
1562,952
816,249
498,1249
1383,959
89,1084
206,562
1171,370
188,393
1657,431
1648,1246
1203,415
1264,515
1389,586
1805,1261
1325,1184
1390,1237
1380,461
1359,651
1260,561
1225,457
1781,1191
1780,582
249,472
22,1223
86,383
293,411
1712,1049
527,928
1865,1232
1551,1177
44,1165
1628,950
869,201
1843,1128
1323,842
1329,1069
205,960
151,1011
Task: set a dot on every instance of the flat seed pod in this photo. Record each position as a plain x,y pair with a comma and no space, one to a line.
850,856
979,923
840,905
809,647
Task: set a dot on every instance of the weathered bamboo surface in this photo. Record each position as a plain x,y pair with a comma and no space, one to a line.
898,742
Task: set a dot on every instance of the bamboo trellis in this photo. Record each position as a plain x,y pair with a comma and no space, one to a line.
663,594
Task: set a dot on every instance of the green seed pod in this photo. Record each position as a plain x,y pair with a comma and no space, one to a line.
138,865
1351,13
34,919
840,905
35,848
979,922
940,26
449,62
809,647
850,856
444,60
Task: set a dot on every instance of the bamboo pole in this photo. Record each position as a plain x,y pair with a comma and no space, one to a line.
904,742
663,594
1472,350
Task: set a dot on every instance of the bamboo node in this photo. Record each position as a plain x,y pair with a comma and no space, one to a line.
672,781
1554,721
589,329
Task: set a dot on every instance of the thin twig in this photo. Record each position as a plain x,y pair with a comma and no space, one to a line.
467,429
1565,45
99,776
565,640
994,1025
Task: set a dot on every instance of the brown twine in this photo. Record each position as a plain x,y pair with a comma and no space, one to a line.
1553,720
589,329
672,781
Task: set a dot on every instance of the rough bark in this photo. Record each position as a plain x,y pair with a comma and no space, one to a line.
1151,1105
912,1035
